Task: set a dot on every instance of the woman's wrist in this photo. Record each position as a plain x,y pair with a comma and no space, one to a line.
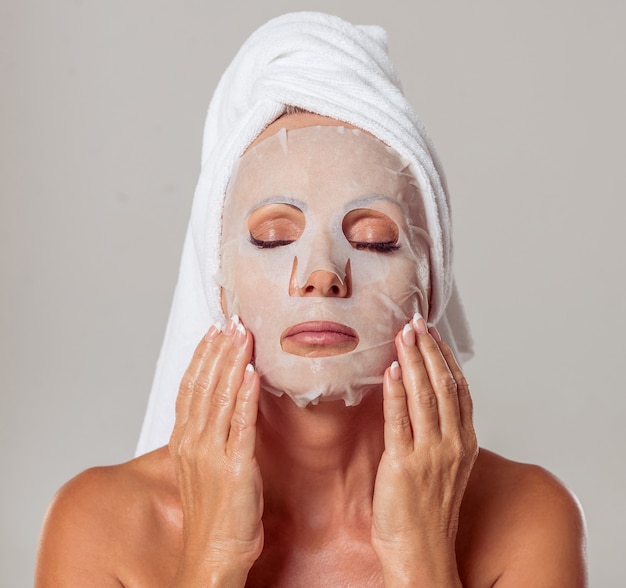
210,576
203,572
417,574
430,565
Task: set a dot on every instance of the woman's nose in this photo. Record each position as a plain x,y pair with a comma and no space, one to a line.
322,283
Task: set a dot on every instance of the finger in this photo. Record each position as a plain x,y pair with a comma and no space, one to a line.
398,434
223,398
242,437
421,399
188,382
206,381
443,383
466,408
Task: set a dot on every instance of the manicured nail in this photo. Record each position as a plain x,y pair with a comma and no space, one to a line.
249,373
395,371
240,335
419,323
435,334
232,325
408,335
212,333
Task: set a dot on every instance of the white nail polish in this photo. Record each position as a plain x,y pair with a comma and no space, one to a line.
395,371
408,335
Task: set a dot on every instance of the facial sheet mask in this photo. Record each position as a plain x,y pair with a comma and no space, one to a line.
324,258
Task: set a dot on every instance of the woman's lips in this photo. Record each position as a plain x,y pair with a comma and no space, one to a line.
318,339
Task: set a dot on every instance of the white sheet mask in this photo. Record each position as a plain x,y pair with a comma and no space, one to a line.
329,198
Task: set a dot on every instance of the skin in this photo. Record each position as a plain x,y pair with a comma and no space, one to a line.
253,491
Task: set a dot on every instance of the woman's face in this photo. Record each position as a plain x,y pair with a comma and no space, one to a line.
324,258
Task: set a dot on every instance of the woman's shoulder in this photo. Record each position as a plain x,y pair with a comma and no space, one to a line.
521,509
101,491
102,515
516,485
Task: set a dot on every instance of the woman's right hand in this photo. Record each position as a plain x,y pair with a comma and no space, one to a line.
213,450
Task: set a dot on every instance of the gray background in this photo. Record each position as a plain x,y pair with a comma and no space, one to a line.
102,110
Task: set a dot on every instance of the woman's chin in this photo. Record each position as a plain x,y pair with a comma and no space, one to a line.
342,398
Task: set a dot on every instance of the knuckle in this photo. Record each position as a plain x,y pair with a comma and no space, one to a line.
400,422
457,447
201,384
221,398
463,387
447,384
240,422
187,385
425,398
184,448
463,448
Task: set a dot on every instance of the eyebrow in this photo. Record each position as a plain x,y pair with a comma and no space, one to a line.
279,200
365,200
300,204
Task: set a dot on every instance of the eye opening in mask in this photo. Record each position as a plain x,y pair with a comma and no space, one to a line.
275,225
370,230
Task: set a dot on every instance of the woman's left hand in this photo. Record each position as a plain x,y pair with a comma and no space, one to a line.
430,448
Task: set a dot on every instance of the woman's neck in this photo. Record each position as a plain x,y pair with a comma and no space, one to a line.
319,463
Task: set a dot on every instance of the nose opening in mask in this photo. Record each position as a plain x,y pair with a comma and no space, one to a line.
321,282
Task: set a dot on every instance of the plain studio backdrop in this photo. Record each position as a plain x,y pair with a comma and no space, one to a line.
100,127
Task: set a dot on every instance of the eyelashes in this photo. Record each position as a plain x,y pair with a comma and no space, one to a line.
377,247
269,244
382,247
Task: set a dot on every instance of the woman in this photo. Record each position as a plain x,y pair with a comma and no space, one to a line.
324,435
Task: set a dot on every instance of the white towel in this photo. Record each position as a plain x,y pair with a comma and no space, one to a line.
324,65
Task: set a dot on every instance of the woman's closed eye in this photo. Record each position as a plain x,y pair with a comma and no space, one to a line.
381,247
275,225
370,230
270,244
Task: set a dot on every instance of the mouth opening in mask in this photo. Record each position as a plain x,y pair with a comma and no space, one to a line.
319,339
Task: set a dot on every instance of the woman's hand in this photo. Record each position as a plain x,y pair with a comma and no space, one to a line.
213,450
430,448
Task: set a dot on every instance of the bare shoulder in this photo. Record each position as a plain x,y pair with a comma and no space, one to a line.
527,520
99,520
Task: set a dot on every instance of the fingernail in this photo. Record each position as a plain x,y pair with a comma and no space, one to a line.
435,334
240,335
232,325
408,335
212,333
249,373
395,372
420,324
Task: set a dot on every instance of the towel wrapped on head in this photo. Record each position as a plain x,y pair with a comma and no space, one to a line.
324,65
